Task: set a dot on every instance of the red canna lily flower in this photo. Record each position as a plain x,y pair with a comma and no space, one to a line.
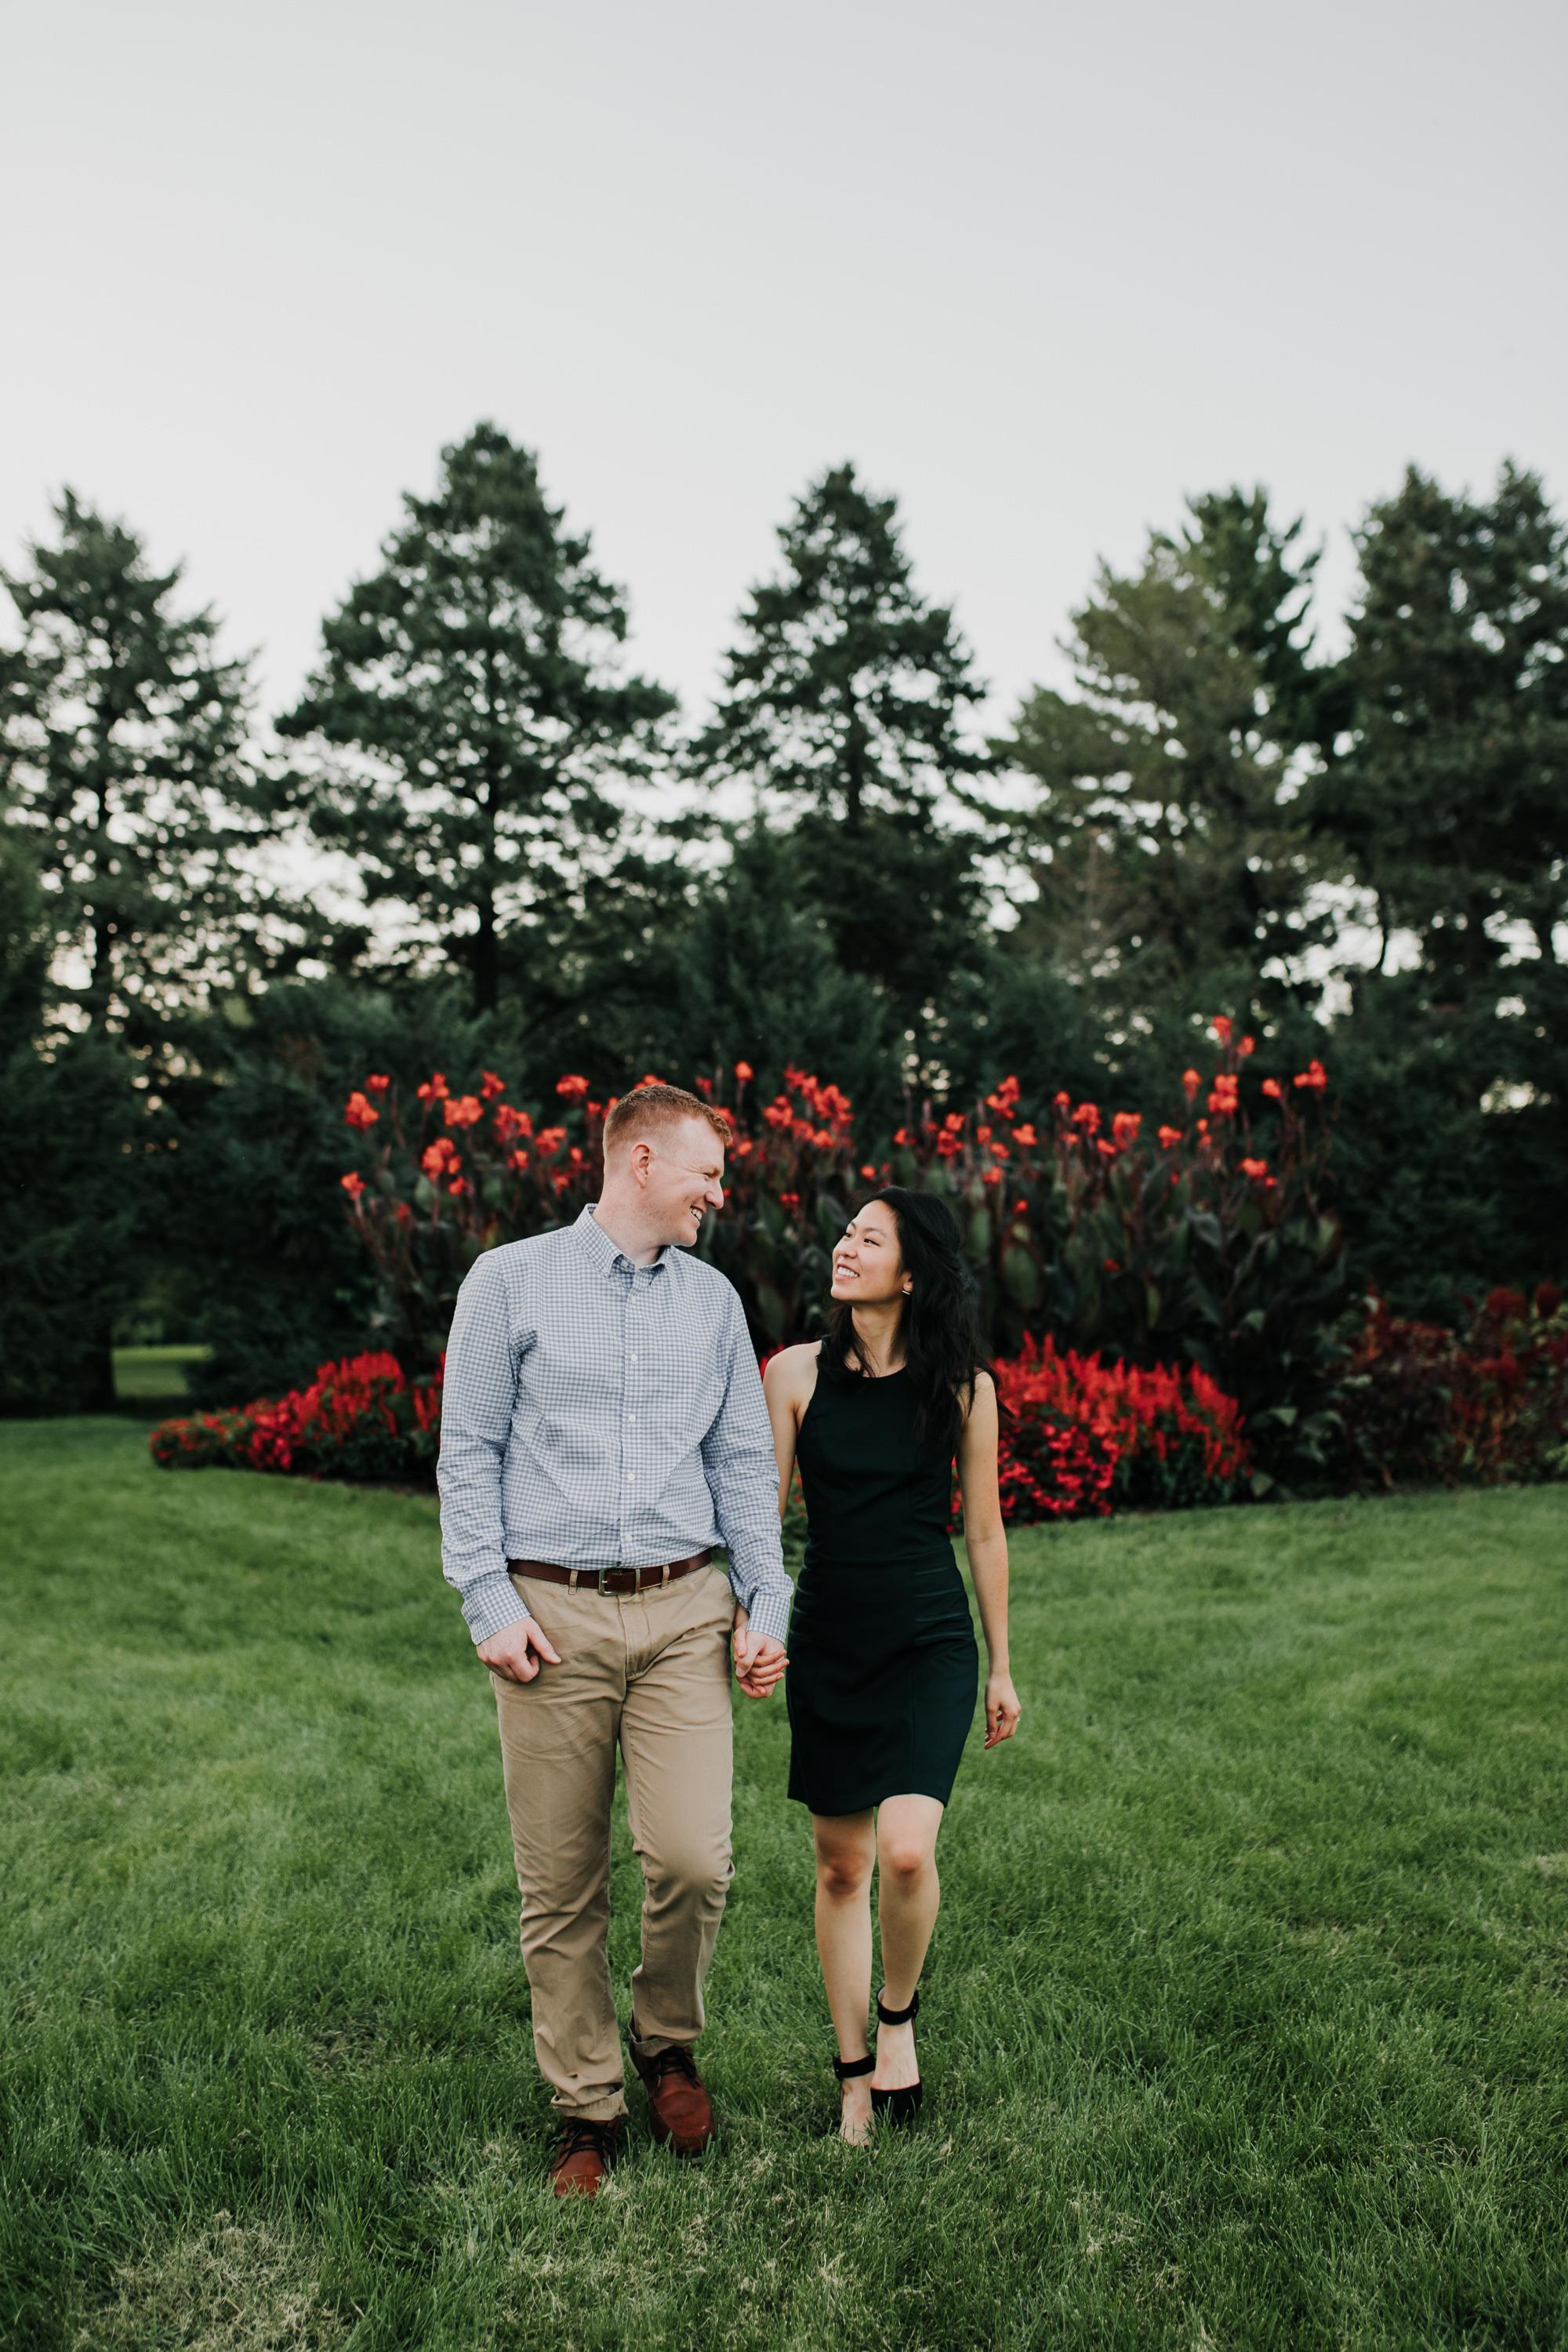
1125,1127
360,1113
490,1084
1314,1077
353,1184
1273,1089
743,1074
1025,1135
377,1085
1247,1045
869,1174
1255,1168
435,1089
1169,1137
576,1089
1221,1026
1192,1082
462,1110
1086,1116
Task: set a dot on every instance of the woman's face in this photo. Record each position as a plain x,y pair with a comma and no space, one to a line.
867,1265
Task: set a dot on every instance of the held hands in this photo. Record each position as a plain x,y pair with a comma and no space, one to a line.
1002,1708
518,1651
760,1660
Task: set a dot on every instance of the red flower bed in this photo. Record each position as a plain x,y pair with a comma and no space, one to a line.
1085,1437
360,1419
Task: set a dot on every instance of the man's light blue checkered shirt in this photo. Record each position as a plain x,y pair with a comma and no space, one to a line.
602,1415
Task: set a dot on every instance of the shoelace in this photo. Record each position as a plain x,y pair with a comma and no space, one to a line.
676,2060
597,2139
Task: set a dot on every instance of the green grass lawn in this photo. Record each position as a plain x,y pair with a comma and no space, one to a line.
153,1375
1245,2024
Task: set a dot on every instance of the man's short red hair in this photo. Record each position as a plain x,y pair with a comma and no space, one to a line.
649,1109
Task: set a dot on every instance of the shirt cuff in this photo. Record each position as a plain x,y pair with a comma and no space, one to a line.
490,1605
769,1610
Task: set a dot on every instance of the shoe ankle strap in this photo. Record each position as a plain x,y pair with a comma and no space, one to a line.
845,2068
896,2016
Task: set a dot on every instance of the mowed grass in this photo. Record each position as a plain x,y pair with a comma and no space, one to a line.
1245,2024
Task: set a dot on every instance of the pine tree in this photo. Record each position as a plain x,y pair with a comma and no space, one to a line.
123,755
469,681
843,707
1169,846
1452,798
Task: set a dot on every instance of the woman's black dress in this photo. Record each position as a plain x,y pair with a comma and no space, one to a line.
883,1658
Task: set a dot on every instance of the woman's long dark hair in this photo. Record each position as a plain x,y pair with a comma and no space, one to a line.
938,1331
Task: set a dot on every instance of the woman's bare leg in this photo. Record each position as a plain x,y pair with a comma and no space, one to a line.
846,1849
908,1894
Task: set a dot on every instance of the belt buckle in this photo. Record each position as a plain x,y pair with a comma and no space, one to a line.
617,1590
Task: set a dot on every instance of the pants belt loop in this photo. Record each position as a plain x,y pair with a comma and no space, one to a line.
571,1581
664,1575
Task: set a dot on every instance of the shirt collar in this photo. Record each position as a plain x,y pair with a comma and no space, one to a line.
600,1251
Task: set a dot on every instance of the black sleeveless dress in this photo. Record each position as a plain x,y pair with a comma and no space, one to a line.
883,1665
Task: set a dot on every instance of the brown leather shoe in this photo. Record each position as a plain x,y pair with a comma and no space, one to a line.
679,2108
582,2162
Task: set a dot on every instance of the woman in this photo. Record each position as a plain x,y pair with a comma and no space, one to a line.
882,1656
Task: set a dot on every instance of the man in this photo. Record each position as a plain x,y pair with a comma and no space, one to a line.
602,1429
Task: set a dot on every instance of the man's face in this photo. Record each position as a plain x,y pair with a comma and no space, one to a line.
685,1179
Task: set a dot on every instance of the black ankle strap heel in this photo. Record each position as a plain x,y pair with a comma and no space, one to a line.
897,2107
846,2068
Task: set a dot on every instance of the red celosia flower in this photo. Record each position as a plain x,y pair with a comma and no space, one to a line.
1025,1134
377,1085
1314,1077
462,1110
1255,1168
1192,1082
490,1084
743,1074
360,1113
1273,1089
1169,1137
353,1185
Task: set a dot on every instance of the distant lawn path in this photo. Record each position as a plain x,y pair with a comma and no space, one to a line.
1247,2023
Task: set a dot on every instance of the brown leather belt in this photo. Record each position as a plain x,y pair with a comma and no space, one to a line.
610,1580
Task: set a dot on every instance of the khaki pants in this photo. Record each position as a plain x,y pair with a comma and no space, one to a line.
648,1671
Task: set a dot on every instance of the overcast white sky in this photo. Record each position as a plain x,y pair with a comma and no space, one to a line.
1040,269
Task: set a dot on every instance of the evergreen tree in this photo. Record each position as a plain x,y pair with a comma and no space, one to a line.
1452,798
123,750
1170,849
469,680
844,705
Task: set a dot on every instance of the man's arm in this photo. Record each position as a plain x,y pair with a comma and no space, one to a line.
742,1478
480,1392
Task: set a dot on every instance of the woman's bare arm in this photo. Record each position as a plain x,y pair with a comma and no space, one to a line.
986,1541
788,1384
